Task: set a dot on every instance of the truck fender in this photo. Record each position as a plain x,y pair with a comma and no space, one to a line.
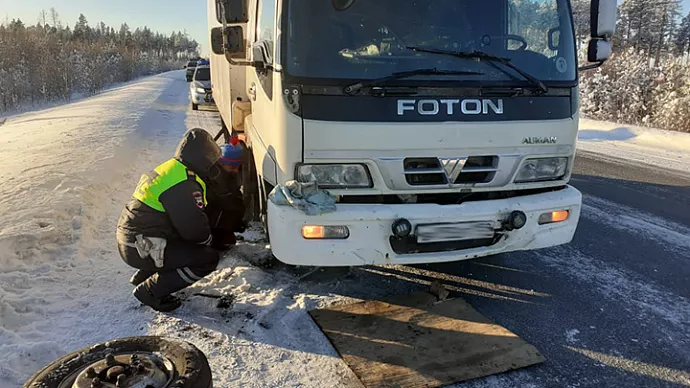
266,165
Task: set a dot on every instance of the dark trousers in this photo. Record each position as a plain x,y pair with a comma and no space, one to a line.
184,264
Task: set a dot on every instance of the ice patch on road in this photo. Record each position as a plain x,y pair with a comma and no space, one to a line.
646,300
676,236
570,335
659,372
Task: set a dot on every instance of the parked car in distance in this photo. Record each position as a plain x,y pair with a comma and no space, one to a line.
191,66
200,88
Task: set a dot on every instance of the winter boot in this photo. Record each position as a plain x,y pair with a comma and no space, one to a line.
140,276
165,304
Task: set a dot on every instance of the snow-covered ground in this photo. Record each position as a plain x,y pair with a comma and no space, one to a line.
639,145
67,172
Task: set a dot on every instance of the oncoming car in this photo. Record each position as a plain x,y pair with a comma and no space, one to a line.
200,88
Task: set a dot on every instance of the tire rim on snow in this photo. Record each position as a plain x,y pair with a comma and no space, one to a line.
125,370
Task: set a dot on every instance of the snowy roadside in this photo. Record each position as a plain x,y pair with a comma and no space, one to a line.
637,145
67,172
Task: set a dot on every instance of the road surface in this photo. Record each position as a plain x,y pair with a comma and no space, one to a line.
610,309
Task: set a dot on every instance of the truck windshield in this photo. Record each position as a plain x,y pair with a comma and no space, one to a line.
372,38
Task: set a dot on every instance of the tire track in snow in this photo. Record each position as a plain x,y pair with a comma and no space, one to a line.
676,236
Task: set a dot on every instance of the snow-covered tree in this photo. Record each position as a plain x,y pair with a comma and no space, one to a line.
49,61
682,41
648,25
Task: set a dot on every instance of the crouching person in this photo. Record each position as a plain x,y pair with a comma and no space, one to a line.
164,230
226,206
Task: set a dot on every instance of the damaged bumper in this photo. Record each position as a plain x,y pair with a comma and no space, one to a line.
370,238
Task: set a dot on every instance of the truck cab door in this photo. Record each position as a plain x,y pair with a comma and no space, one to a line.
260,81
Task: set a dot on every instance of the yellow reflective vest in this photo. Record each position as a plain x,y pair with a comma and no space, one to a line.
152,185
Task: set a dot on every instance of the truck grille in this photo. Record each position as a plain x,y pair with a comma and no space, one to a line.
439,171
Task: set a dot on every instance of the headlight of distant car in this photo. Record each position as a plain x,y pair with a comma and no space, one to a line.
544,169
335,176
201,90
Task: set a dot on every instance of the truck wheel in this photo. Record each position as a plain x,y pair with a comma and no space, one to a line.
195,106
264,190
148,361
250,187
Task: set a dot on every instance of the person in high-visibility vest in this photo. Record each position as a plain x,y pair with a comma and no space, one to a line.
164,230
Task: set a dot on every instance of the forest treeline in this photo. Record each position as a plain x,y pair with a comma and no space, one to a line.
49,61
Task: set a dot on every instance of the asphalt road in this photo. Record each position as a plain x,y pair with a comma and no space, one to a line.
611,309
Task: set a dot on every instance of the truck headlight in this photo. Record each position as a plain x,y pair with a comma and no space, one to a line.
201,90
335,175
544,169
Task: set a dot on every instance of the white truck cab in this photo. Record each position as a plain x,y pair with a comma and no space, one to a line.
446,128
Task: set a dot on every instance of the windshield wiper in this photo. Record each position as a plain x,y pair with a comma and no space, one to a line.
486,56
355,88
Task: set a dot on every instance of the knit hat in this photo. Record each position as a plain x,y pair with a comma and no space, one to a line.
232,154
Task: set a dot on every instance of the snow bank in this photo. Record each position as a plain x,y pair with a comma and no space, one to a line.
665,149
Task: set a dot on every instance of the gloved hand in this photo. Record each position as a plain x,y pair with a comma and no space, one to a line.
153,247
223,239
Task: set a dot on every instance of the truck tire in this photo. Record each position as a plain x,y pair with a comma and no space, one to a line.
189,367
250,187
195,106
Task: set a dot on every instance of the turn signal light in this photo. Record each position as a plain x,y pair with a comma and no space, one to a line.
325,232
552,217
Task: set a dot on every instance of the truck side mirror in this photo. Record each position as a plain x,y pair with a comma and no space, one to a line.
603,18
598,50
236,11
603,15
233,40
217,41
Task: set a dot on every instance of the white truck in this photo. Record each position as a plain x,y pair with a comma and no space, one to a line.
446,128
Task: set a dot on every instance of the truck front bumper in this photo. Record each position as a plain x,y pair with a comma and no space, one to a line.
371,239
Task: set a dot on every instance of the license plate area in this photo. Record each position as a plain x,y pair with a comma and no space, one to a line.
454,231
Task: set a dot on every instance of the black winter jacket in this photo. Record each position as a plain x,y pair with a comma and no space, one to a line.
183,218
